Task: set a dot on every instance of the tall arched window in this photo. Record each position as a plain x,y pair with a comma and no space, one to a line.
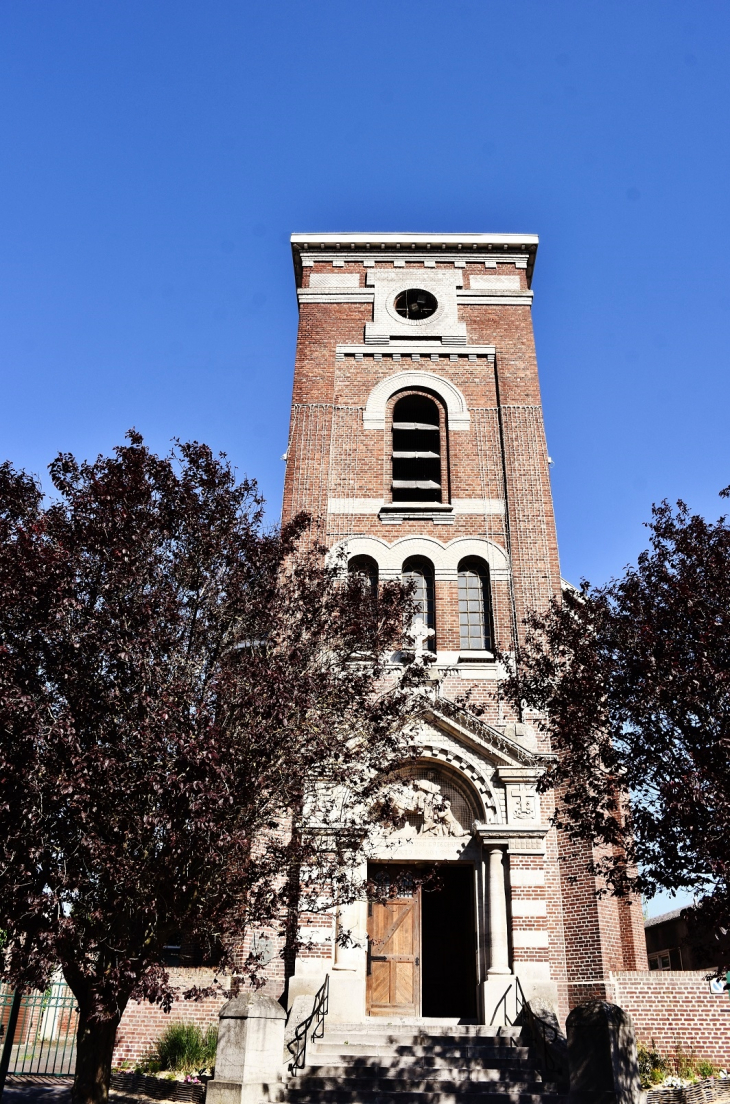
475,606
365,566
416,450
419,570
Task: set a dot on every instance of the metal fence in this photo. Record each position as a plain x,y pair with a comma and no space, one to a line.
45,1035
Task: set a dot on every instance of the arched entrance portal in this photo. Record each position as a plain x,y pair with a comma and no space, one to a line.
422,946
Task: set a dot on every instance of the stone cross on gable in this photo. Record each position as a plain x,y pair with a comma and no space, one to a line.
419,634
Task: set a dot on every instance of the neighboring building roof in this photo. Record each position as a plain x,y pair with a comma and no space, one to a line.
673,915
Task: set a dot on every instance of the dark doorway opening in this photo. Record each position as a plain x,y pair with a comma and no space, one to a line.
448,945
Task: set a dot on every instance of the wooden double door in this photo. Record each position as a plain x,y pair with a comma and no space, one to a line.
394,958
422,946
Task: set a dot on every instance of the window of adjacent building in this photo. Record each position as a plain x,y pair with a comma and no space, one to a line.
416,450
661,961
419,570
475,606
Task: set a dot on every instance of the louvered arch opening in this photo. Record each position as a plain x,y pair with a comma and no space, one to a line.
416,450
365,566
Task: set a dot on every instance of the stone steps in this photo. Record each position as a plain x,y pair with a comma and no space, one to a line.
518,1094
528,1079
360,1067
413,1028
416,1062
447,1050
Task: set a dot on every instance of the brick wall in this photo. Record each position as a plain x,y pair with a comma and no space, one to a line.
143,1023
675,1008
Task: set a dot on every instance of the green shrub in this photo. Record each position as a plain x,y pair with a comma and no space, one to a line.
183,1047
653,1068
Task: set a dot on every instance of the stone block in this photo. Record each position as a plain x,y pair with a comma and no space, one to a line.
604,1067
248,1065
347,996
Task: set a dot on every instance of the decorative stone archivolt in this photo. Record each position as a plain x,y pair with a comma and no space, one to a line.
374,413
444,557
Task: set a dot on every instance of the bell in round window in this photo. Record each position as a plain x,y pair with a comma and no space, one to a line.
415,304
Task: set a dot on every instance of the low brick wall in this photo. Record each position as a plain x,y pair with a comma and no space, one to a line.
676,1008
143,1023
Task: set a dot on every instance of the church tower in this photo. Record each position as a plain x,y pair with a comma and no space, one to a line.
417,442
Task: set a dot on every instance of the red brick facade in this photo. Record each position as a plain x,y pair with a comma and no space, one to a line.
143,1023
497,481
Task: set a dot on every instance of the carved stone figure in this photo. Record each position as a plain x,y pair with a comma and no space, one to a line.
445,823
424,798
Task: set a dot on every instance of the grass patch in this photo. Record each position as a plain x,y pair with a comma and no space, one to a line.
183,1048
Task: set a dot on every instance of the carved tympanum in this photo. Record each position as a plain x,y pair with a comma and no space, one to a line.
431,807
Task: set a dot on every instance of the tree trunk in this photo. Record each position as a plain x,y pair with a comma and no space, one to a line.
94,1049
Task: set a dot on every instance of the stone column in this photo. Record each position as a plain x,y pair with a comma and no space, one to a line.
498,939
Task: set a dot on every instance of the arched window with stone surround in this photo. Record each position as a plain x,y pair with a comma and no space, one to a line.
418,450
475,606
367,569
419,571
365,566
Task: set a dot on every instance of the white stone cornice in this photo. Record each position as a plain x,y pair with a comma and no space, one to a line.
366,506
466,297
425,350
335,295
452,241
494,298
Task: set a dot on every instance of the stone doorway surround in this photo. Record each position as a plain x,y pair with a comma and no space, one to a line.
506,843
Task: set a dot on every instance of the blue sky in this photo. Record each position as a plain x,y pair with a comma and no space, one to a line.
156,155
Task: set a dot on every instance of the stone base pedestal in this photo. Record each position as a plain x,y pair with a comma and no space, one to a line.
249,1059
604,1067
347,996
499,1000
538,987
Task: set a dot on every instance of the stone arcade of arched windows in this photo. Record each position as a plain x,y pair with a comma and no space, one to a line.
462,620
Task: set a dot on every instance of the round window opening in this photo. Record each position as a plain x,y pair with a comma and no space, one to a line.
415,303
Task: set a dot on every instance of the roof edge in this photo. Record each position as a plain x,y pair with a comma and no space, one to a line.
363,238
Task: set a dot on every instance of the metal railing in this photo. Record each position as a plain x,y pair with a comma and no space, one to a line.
545,1037
298,1045
44,1039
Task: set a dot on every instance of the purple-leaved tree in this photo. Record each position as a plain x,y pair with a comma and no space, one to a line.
633,681
173,679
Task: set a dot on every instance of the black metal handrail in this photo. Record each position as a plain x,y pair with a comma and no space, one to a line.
297,1047
544,1036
